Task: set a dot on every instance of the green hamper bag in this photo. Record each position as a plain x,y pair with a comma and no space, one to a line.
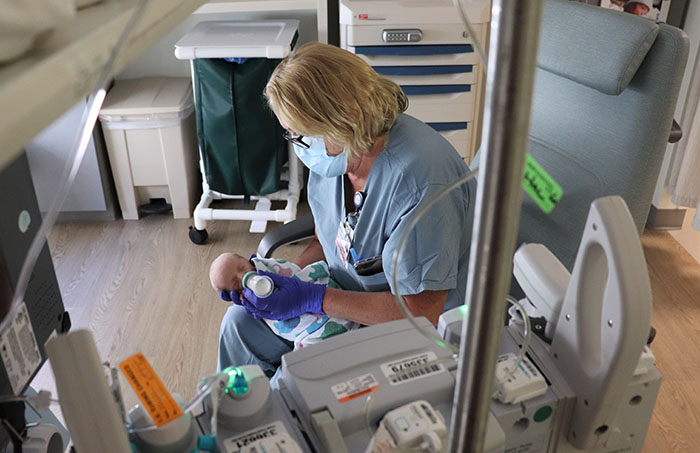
240,139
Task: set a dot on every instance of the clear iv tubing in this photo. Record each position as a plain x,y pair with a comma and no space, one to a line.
398,253
194,403
420,213
523,350
423,209
484,63
190,406
80,144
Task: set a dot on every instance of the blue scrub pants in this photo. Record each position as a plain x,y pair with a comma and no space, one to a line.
244,340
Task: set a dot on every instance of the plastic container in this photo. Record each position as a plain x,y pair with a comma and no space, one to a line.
242,39
151,139
261,285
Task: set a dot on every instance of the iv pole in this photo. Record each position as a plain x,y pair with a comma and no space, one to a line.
515,26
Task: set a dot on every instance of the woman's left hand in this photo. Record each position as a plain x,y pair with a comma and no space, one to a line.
292,297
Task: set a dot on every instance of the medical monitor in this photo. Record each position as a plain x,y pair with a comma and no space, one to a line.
22,343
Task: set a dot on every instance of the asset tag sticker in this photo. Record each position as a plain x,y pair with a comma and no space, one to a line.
411,368
247,441
543,189
155,398
355,388
19,350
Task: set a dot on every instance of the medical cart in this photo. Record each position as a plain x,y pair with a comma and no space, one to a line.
228,160
425,48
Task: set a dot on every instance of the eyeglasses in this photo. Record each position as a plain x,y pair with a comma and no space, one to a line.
296,139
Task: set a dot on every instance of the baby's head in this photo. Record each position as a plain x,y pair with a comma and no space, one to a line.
227,270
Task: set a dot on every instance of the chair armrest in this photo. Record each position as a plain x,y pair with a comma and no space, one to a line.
293,231
676,132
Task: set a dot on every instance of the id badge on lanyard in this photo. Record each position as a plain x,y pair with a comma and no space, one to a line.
343,240
346,230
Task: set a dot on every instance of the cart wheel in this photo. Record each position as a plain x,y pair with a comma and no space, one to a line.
198,236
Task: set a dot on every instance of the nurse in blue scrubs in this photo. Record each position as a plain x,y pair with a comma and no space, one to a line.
371,167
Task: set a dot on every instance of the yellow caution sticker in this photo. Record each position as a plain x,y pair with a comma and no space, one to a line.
150,389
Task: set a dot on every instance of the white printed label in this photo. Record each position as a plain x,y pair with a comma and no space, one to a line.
354,388
411,368
248,441
19,350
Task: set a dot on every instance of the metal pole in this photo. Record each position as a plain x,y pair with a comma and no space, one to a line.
515,26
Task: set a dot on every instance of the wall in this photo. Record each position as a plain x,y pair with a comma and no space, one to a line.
692,28
91,197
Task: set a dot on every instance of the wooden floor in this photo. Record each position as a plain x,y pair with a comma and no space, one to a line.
142,286
675,284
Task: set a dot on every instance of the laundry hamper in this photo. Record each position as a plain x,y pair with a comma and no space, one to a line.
243,154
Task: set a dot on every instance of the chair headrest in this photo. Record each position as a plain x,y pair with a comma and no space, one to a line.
596,47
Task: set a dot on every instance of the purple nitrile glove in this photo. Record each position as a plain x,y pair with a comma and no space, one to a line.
251,310
230,296
291,298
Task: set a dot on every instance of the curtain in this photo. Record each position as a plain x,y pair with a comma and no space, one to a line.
683,181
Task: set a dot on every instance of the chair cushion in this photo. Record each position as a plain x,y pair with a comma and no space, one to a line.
599,48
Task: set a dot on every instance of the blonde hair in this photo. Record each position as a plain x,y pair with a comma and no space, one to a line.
325,91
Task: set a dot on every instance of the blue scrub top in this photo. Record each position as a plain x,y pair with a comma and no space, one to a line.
417,163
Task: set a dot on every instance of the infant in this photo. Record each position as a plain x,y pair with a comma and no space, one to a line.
226,275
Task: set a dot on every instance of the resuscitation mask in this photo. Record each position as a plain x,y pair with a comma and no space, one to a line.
318,161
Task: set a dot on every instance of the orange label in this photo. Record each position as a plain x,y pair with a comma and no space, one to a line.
364,392
150,389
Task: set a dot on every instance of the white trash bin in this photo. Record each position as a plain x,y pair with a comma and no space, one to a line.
150,132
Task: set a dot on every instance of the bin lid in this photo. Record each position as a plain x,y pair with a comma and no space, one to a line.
229,39
150,98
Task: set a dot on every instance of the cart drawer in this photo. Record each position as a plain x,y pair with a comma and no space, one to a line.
462,54
429,75
440,112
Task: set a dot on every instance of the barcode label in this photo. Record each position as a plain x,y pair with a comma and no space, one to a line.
411,368
249,440
414,373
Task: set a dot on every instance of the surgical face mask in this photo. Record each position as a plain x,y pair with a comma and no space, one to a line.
318,161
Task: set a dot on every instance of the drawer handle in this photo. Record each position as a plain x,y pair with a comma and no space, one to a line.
412,90
423,70
402,35
441,127
442,49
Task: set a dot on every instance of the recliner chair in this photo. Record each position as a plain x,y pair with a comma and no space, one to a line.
605,92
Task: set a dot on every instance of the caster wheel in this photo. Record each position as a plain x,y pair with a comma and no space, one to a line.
198,236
